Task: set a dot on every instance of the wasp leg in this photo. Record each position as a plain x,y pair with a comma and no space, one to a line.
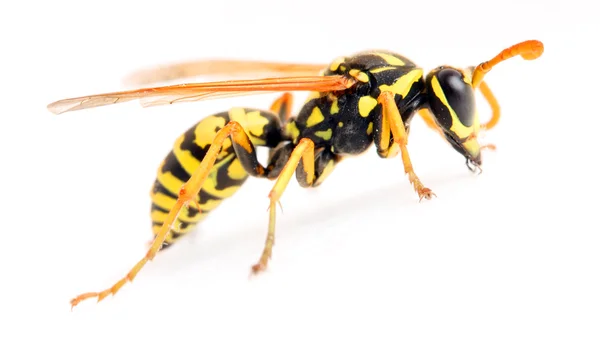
282,106
325,162
187,194
430,121
392,120
494,105
303,151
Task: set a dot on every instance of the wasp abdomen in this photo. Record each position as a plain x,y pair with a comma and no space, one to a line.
225,178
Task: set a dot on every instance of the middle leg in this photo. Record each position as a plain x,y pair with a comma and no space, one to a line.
305,151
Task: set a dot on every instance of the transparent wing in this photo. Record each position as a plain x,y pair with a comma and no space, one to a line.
221,67
203,91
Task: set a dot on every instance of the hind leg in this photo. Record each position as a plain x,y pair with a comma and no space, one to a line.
187,194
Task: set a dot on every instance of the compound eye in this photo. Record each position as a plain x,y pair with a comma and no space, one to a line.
454,95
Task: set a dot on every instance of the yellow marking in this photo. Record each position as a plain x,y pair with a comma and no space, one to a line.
224,148
163,201
257,120
211,181
390,59
340,124
359,75
336,63
366,104
205,130
403,84
393,151
370,128
384,142
253,123
472,146
256,127
173,184
170,182
381,69
158,215
363,77
342,68
457,127
326,171
312,95
236,170
292,130
335,108
185,217
185,157
239,115
315,117
325,135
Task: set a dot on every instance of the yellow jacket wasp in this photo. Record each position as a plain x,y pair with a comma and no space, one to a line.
370,97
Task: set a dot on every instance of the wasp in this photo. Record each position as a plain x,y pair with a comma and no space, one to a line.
367,98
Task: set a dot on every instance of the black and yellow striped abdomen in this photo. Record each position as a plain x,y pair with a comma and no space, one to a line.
225,178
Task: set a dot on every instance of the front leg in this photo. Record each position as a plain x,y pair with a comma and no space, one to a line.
391,122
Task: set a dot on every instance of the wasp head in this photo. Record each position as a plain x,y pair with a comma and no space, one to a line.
451,100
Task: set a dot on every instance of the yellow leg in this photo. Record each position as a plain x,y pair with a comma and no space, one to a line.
283,106
494,105
187,195
305,151
430,121
391,115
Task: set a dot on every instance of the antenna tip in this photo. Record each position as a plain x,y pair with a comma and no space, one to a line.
534,50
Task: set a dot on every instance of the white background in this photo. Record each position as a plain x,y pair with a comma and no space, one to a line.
507,258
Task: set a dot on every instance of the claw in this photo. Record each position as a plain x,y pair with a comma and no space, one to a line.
258,268
426,193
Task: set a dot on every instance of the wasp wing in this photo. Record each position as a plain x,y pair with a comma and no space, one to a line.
202,91
220,67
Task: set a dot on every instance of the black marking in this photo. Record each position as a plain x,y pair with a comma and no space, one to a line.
279,158
282,112
459,94
155,207
192,211
206,197
189,144
173,166
272,132
224,180
159,188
